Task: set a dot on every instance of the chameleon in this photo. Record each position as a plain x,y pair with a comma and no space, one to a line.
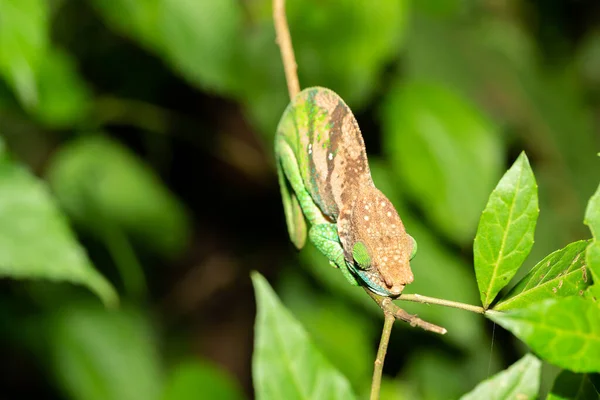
324,177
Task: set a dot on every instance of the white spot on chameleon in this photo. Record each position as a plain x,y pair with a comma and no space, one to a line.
310,148
330,156
366,217
383,204
389,213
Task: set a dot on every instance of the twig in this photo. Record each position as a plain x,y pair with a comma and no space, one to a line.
417,298
284,41
388,323
390,308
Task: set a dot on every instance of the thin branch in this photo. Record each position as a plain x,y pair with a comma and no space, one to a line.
417,298
388,323
390,308
284,41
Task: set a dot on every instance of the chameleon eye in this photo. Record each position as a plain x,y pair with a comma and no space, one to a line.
414,248
361,255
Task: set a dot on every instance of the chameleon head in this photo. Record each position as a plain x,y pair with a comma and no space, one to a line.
381,248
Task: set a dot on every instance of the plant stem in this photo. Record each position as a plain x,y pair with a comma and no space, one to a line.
417,298
390,308
388,323
284,41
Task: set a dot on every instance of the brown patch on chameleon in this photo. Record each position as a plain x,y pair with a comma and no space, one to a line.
320,133
374,221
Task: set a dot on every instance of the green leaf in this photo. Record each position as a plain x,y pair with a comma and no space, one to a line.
36,241
446,152
44,78
200,40
64,98
99,354
592,256
285,363
519,381
561,274
564,332
98,181
571,386
24,37
195,379
505,233
324,317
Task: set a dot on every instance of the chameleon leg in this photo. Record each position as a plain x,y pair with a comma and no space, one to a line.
288,163
326,239
293,213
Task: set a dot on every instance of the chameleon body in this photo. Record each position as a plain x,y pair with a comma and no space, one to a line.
324,177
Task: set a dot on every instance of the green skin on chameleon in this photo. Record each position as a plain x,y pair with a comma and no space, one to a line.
324,178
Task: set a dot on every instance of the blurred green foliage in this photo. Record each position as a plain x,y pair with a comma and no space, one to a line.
35,237
200,380
150,124
456,151
98,182
83,339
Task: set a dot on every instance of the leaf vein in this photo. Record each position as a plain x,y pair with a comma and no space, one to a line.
504,238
